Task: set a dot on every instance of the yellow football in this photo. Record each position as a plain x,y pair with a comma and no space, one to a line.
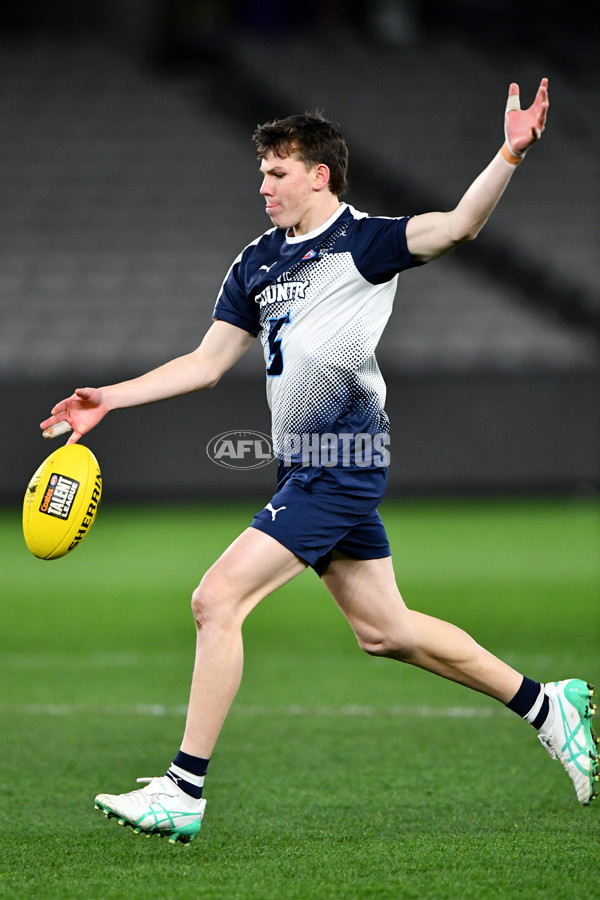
61,501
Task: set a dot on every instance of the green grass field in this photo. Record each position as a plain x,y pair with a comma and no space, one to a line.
337,775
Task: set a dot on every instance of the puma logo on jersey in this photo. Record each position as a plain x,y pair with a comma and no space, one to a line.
274,511
267,268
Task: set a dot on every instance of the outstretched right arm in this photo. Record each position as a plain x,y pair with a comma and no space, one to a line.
221,348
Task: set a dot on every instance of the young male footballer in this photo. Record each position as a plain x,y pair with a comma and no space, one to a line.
317,288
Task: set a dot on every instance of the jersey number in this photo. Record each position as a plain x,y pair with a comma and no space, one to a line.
275,366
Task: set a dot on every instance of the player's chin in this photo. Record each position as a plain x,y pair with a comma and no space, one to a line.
276,215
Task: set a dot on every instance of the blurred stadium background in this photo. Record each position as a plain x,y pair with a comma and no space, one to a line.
129,184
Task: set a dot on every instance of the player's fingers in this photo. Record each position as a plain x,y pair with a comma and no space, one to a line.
79,394
87,393
54,429
61,407
513,101
541,97
543,104
74,437
540,119
52,420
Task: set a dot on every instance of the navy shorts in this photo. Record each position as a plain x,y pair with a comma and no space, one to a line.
317,510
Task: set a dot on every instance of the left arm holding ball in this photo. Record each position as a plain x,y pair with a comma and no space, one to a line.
433,234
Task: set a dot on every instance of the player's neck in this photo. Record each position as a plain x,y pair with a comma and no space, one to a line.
316,217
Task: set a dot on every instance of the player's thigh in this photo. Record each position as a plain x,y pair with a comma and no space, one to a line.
366,592
253,566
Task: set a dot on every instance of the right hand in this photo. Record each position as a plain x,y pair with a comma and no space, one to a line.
81,411
523,127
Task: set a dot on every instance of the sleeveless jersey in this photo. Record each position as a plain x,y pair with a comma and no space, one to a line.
320,303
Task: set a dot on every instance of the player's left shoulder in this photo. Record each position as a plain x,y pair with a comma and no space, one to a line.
364,220
378,246
364,228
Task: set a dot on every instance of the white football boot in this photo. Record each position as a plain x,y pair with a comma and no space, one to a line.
567,734
159,808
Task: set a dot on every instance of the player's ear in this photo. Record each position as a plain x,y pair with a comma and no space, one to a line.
321,176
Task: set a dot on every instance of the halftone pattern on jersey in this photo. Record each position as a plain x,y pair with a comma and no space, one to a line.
322,302
329,377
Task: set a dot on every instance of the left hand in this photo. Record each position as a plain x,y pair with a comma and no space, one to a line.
523,127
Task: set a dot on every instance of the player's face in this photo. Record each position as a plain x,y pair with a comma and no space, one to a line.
292,191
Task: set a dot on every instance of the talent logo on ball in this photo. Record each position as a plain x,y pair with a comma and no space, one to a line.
58,496
240,450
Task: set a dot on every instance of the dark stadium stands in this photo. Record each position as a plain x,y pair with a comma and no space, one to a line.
127,191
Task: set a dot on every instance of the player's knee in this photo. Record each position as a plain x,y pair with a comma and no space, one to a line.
198,607
392,643
214,602
370,639
205,600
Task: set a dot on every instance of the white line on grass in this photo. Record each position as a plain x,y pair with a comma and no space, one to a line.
159,711
131,660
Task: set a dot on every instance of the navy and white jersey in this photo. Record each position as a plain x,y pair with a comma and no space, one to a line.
319,303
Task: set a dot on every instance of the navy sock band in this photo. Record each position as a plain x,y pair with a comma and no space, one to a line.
525,697
188,773
195,764
531,703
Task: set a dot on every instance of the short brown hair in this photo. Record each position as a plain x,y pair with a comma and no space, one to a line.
312,138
